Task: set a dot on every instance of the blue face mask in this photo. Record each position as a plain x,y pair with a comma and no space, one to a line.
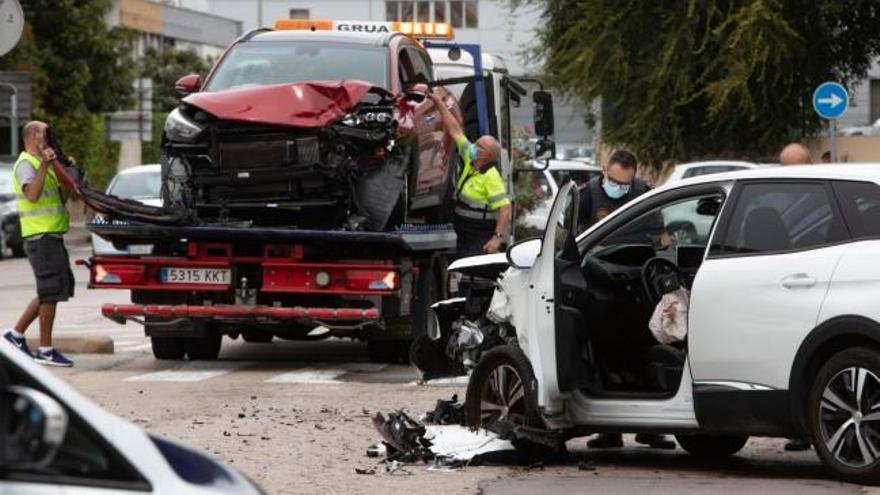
615,190
472,152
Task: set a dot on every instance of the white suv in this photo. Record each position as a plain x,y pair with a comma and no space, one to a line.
783,331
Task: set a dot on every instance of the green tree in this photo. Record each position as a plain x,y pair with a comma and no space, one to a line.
165,67
78,64
687,79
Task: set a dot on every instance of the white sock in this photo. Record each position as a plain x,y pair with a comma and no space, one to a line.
15,333
45,350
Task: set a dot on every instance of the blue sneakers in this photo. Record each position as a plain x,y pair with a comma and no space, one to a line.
17,342
52,358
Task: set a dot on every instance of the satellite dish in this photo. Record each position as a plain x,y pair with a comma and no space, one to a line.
11,24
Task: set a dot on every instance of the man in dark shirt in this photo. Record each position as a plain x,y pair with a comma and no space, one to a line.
618,186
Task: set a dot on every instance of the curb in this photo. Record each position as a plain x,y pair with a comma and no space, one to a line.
89,344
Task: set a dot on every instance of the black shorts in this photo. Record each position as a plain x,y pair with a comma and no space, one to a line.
51,265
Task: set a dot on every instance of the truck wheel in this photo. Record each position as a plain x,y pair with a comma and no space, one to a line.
168,347
205,348
503,389
712,446
844,424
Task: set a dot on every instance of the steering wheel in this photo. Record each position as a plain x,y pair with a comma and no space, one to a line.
659,275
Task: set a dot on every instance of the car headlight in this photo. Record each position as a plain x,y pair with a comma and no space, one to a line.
179,128
352,120
377,117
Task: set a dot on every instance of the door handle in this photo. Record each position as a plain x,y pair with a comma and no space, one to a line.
798,280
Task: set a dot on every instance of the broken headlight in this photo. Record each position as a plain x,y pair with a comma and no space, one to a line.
180,128
367,117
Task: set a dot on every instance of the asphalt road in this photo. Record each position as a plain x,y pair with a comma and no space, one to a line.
296,417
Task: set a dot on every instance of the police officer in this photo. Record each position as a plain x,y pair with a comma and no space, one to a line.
602,195
482,206
44,220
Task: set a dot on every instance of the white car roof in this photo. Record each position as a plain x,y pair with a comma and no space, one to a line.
861,171
710,163
152,168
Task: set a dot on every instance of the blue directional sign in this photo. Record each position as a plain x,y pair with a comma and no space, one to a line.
830,100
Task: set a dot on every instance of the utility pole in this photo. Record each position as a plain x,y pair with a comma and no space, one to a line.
13,117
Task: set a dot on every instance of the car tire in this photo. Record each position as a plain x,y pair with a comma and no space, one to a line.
506,367
168,347
842,429
205,348
712,446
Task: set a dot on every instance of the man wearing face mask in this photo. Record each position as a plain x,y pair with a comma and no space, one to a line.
482,206
617,186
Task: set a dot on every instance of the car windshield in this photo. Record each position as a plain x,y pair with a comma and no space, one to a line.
7,191
262,63
142,185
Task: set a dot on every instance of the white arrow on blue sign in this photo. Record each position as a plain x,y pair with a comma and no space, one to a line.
830,100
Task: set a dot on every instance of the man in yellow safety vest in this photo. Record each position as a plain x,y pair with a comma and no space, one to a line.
44,220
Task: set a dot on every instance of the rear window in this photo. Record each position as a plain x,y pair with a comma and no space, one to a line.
263,63
860,202
778,217
137,186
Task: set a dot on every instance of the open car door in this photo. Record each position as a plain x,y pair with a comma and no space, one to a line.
556,336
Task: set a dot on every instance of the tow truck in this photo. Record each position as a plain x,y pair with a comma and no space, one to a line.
202,280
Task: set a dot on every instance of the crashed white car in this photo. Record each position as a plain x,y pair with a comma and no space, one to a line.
54,441
782,324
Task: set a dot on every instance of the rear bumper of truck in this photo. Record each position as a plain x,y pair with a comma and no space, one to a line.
123,312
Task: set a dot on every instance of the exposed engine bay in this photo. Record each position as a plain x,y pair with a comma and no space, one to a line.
339,165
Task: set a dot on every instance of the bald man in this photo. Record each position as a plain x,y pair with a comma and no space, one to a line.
795,154
482,206
44,220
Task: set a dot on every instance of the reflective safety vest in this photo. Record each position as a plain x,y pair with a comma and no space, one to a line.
478,195
47,215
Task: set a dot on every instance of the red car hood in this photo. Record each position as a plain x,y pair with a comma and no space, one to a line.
307,104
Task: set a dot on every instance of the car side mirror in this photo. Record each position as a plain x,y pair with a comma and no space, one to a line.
543,113
545,149
33,426
189,83
417,92
523,254
708,206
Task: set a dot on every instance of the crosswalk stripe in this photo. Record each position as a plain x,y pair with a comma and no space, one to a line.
326,373
195,371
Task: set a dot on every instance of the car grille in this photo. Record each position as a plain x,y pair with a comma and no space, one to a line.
260,151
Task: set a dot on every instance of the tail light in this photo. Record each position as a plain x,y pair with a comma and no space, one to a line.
111,274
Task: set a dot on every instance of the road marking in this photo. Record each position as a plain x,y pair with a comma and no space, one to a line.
326,373
195,371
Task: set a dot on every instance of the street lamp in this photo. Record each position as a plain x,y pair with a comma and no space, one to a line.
13,117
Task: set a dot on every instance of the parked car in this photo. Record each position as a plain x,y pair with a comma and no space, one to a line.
783,326
59,442
862,130
10,227
696,169
142,184
536,190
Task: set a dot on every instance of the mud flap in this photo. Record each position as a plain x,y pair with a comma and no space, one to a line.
378,191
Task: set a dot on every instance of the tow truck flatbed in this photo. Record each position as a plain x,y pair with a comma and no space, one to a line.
409,238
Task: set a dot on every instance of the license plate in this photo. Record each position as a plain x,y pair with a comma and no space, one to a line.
210,276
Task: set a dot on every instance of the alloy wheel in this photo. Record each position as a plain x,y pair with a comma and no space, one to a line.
503,397
849,417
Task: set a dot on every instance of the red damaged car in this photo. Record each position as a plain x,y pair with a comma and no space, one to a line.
312,128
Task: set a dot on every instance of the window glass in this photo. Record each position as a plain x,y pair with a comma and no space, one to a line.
299,13
423,11
456,14
406,11
533,198
860,202
580,177
391,11
262,63
137,186
406,67
781,217
471,14
439,11
421,65
687,222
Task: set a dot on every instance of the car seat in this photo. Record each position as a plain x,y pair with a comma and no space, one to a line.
764,230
